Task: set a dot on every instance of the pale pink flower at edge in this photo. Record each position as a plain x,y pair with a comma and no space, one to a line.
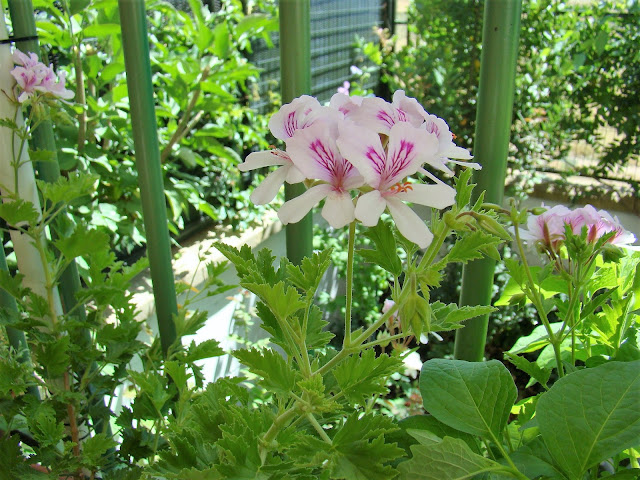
34,76
548,228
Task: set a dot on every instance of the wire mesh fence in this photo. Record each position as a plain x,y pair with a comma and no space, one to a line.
335,27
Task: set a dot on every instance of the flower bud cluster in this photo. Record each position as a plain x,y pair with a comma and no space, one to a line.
359,155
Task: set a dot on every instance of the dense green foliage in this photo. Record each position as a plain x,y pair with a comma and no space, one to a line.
200,75
578,71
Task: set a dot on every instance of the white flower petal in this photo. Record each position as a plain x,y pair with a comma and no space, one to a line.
461,153
294,175
293,116
409,223
265,158
440,195
363,149
369,208
338,209
296,208
407,150
268,189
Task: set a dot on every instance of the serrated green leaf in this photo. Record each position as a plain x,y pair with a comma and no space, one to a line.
451,459
469,247
450,317
277,375
473,397
591,415
82,241
42,156
362,376
152,385
283,301
317,336
53,355
308,275
385,253
19,212
205,349
67,189
532,369
315,394
464,188
94,448
178,374
12,284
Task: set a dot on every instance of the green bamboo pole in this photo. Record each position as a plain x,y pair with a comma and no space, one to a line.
493,124
295,75
133,20
42,138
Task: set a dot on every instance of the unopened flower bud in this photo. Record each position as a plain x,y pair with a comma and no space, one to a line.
492,226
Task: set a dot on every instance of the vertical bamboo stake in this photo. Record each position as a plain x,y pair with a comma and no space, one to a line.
29,262
138,66
42,138
493,124
295,75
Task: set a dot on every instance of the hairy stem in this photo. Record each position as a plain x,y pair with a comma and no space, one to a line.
347,311
537,302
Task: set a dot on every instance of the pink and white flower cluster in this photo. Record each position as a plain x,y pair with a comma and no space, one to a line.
33,76
548,229
359,155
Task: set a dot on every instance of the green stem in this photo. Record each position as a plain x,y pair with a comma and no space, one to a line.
514,470
434,247
537,302
355,345
279,422
347,313
318,428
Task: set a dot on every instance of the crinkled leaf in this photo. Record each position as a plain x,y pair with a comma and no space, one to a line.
385,253
66,189
307,276
473,397
317,336
469,247
451,459
591,415
94,448
450,317
315,393
53,355
283,301
18,212
277,375
362,376
82,241
12,284
205,349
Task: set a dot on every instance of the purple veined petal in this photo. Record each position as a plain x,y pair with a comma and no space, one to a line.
369,207
338,209
409,223
375,114
408,148
315,153
269,187
293,116
439,196
296,208
266,158
412,109
363,149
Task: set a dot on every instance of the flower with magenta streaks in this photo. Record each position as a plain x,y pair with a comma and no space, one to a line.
314,152
385,170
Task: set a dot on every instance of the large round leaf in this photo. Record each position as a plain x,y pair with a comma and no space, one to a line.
590,415
473,397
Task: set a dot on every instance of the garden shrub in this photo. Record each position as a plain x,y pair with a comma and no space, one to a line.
577,72
201,77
